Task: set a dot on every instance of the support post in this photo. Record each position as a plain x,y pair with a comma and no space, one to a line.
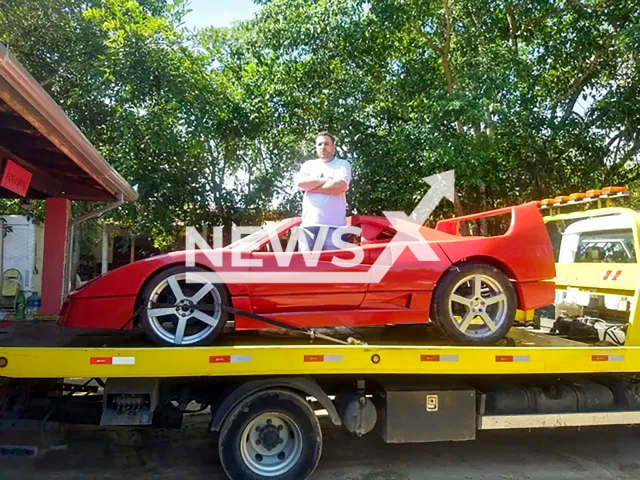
56,229
105,250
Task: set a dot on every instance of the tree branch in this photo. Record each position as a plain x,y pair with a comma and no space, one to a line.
610,142
615,155
427,37
491,126
433,45
581,81
631,179
578,85
572,103
445,56
513,26
216,193
635,148
538,20
447,46
616,166
458,211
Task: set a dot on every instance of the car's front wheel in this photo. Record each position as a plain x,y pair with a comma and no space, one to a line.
474,304
181,306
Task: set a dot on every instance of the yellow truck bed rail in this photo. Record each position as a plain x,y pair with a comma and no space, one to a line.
533,353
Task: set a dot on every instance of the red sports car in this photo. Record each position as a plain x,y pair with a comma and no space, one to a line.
468,286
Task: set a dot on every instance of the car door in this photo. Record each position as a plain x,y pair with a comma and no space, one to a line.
276,288
407,283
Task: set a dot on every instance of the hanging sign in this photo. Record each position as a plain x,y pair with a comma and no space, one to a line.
16,178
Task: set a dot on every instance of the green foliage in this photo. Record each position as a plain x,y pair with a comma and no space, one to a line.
523,98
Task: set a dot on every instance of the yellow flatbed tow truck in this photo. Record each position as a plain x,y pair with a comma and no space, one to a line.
405,383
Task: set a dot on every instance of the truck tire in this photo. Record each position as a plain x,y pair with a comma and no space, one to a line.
183,325
474,304
272,434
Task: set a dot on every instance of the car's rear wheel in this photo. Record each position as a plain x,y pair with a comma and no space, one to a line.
181,306
474,304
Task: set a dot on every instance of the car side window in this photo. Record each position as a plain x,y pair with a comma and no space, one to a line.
284,241
376,233
385,235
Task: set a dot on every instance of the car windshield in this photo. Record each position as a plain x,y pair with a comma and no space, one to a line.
256,238
614,246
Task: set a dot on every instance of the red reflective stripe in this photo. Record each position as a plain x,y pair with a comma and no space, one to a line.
429,358
600,358
618,273
504,358
220,359
100,360
314,358
606,275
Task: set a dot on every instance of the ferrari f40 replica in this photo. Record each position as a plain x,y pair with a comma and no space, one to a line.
391,272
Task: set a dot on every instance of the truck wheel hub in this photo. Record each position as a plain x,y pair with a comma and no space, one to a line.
270,437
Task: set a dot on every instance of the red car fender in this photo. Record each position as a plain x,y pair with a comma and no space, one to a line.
109,301
524,252
527,233
130,279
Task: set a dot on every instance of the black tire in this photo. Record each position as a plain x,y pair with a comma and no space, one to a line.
154,326
444,312
259,405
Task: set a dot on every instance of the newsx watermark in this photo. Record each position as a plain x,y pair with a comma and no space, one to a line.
234,265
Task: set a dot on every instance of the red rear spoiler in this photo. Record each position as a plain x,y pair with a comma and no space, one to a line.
452,225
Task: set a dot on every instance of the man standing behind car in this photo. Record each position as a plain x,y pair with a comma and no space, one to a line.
325,181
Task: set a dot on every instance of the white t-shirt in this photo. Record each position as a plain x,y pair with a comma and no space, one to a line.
319,209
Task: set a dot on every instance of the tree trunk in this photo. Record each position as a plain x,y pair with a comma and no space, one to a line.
445,56
459,212
227,227
132,250
513,27
484,228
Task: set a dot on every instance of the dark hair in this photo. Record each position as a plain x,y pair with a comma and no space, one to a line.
327,134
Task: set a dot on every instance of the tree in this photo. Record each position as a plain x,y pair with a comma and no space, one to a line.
523,98
514,95
152,104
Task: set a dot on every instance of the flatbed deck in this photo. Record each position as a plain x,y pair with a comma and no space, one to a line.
47,351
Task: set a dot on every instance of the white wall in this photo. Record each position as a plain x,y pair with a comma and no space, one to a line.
19,250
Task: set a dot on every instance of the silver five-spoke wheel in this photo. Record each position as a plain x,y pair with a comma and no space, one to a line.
480,304
474,303
182,307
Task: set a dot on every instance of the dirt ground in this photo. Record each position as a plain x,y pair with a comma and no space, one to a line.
91,452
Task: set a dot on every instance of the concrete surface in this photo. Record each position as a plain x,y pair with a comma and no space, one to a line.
91,452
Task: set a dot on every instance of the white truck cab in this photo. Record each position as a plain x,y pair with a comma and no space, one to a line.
606,239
